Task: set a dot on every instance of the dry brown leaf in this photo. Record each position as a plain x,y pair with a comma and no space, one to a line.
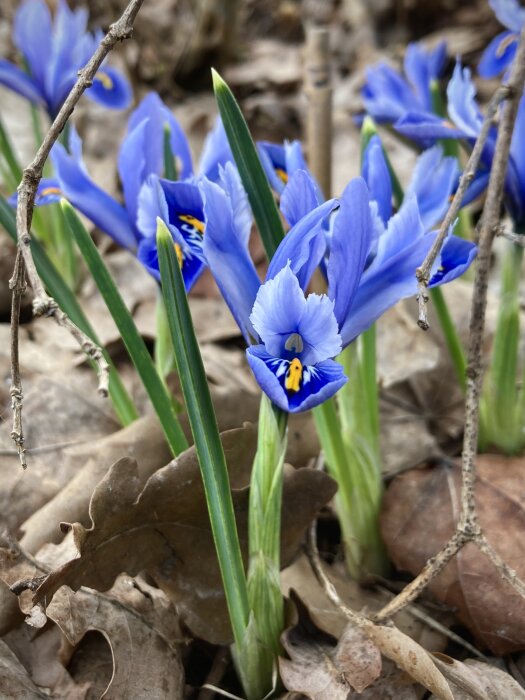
164,528
15,682
143,440
141,631
420,512
478,680
323,668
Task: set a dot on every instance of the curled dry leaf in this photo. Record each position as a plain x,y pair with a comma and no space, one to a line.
164,528
477,680
141,630
420,513
323,668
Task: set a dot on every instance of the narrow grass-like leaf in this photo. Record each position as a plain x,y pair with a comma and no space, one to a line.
133,341
205,434
253,177
14,171
62,294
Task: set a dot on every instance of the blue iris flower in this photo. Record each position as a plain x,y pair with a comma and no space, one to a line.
280,162
293,337
467,120
54,51
388,95
501,51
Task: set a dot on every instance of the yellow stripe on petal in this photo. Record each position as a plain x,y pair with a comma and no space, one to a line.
294,376
104,78
282,175
192,221
49,190
180,256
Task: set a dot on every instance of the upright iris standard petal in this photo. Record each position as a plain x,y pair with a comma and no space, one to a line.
432,182
33,36
462,104
422,67
216,151
498,54
299,197
317,383
386,95
230,181
91,200
228,257
350,244
110,89
136,160
303,245
377,177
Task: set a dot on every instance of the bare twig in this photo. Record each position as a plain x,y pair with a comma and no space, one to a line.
25,265
517,238
423,271
468,528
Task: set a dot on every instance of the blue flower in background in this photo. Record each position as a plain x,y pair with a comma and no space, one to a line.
467,119
502,49
293,338
53,52
388,95
280,162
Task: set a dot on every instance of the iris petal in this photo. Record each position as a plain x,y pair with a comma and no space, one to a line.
349,247
426,127
32,35
300,197
432,183
93,202
462,104
228,257
377,177
216,151
110,89
303,245
498,55
15,79
510,13
319,383
278,310
455,257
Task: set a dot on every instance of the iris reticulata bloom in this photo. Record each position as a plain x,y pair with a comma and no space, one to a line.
501,51
293,337
53,52
387,95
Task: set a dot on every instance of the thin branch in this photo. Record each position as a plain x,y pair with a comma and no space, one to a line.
423,271
17,285
25,265
468,528
517,238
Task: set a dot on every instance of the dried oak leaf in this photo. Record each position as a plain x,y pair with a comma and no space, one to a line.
323,668
420,512
164,529
15,682
473,679
142,631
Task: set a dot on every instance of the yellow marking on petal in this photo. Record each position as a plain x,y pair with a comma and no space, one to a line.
282,175
505,43
448,124
192,221
180,256
50,190
294,375
107,82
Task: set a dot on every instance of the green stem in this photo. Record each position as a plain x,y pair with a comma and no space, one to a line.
454,344
170,165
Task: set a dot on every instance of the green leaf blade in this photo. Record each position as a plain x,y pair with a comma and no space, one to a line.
262,202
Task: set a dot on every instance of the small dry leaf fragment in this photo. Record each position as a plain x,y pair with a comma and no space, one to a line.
420,512
164,528
478,680
322,668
